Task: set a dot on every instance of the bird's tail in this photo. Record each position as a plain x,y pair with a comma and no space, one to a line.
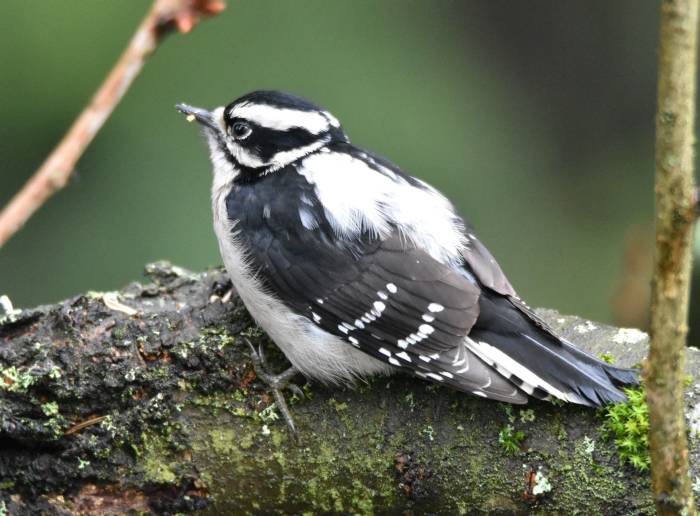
544,365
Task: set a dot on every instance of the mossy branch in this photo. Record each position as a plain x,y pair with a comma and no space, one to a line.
675,218
145,400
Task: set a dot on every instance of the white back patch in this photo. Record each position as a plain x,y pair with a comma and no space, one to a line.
357,198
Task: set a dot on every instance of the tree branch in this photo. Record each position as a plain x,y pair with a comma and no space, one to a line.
145,400
55,172
675,216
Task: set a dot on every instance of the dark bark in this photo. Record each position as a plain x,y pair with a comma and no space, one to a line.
160,411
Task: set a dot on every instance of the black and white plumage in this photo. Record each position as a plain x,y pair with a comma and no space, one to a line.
355,268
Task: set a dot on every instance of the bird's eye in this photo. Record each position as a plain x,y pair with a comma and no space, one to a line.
240,130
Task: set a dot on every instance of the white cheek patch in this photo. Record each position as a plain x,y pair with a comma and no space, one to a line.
244,156
283,158
282,119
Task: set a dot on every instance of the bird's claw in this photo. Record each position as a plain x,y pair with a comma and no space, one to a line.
276,383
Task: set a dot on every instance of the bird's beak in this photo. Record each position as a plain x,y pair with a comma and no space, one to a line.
204,117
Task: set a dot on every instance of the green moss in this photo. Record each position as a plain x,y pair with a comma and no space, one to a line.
511,440
608,358
337,405
628,425
223,441
156,459
344,465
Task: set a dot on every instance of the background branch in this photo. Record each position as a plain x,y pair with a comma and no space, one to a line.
675,216
55,172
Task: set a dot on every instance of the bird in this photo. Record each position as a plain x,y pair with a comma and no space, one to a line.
355,268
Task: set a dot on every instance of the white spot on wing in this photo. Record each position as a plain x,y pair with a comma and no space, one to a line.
404,356
428,318
391,288
435,307
426,329
380,307
393,361
382,295
385,351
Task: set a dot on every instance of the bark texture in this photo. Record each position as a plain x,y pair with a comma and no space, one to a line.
675,217
145,400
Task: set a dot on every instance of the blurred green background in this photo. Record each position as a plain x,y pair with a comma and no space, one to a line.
536,118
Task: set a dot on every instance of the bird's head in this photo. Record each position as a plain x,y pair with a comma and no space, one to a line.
265,131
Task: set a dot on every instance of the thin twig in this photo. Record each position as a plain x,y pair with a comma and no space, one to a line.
55,172
84,424
676,206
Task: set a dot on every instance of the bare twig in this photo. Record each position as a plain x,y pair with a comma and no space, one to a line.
55,172
84,424
675,217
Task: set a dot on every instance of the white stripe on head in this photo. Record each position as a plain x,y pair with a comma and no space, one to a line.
283,119
283,158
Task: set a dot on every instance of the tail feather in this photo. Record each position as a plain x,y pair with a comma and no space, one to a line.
619,376
514,345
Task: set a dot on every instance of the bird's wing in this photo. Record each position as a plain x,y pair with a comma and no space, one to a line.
393,301
485,267
511,337
479,260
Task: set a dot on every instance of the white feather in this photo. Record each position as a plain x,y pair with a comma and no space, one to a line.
282,119
357,198
502,362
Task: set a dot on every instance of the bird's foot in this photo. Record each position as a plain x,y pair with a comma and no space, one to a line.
276,384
